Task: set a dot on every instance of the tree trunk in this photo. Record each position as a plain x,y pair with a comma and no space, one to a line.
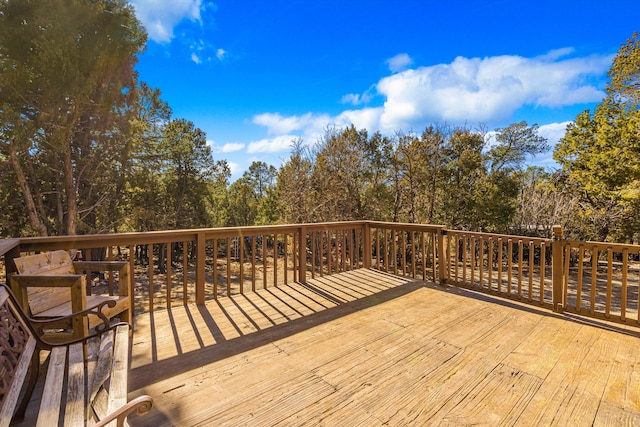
70,192
36,224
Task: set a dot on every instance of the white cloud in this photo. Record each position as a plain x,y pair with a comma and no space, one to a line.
231,147
221,54
160,17
234,168
195,58
485,89
553,132
399,62
277,124
465,91
365,118
356,98
273,145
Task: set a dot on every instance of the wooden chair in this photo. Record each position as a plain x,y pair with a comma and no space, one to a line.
50,285
86,381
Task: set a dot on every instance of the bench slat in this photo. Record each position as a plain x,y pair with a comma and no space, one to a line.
119,370
74,413
68,378
11,398
52,393
102,366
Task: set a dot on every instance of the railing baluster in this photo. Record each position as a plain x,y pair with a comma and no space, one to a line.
424,255
532,266
264,260
253,263
474,261
150,273
609,281
294,255
456,249
580,278
543,262
520,263
509,265
276,253
623,296
215,269
286,258
500,243
594,278
481,262
185,276
490,263
169,281
565,284
241,259
228,241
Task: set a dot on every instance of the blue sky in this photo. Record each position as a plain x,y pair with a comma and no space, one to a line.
254,75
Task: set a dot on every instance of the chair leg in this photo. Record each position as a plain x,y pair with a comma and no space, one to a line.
31,385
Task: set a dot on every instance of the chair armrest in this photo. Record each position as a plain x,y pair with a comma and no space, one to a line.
122,267
39,325
141,405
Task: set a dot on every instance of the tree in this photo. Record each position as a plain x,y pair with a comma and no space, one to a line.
262,177
513,144
339,175
624,74
187,171
66,74
462,176
294,188
243,206
542,203
599,153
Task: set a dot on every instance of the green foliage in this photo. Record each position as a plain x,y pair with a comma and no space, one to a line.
66,79
599,154
85,147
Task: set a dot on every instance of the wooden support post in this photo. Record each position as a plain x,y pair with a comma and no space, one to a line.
367,249
557,269
201,255
442,257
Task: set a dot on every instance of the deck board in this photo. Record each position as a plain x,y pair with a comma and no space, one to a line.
370,348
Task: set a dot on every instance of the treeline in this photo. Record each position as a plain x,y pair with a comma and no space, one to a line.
86,147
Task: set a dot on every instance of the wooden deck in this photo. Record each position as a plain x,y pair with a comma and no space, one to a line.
368,348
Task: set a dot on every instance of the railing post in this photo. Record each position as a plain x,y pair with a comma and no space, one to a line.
302,255
366,231
557,269
442,257
201,255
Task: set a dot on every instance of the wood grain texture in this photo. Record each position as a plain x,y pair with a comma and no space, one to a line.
371,349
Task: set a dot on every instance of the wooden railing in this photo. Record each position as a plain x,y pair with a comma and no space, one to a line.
193,266
510,266
601,280
179,267
408,250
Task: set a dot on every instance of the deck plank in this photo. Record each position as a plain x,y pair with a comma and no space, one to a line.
372,349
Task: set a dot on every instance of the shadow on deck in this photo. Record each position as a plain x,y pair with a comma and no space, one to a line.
370,348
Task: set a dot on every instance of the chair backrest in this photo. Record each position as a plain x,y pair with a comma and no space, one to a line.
47,263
